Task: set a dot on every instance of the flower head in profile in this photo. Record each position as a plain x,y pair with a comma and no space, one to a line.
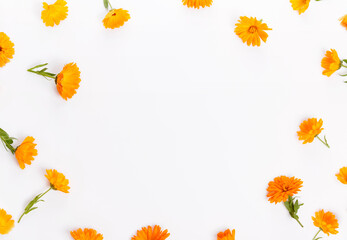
6,222
300,5
226,235
197,3
331,62
57,180
342,175
326,222
310,129
67,81
149,233
6,49
251,30
344,21
116,18
26,151
86,234
282,187
54,13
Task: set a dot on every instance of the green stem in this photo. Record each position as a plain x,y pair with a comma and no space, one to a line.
299,222
314,238
30,207
42,72
324,142
110,4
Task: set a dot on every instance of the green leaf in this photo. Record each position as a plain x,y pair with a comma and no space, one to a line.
6,140
345,60
106,4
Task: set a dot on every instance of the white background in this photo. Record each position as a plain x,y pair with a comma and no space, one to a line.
176,122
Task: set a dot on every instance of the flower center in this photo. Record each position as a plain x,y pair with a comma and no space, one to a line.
114,14
0,48
252,29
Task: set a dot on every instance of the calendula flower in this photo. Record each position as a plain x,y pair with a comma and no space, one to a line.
6,222
67,80
54,13
86,234
197,3
344,21
251,30
342,175
147,233
24,153
282,189
57,182
6,49
300,5
331,62
326,222
115,18
226,235
310,129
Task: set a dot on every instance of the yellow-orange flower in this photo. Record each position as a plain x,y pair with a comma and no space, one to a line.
342,175
57,180
86,234
331,62
197,3
6,222
344,21
300,5
226,235
309,129
251,30
25,152
6,49
68,80
147,233
54,13
282,187
116,18
326,221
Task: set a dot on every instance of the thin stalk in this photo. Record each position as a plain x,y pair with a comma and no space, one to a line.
324,142
314,238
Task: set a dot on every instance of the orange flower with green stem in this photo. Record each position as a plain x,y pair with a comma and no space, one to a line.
326,222
115,18
283,189
332,63
149,233
57,182
310,129
251,30
67,81
226,235
24,153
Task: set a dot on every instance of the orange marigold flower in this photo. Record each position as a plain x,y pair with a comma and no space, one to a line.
6,49
68,80
57,180
6,222
147,233
342,175
331,62
300,5
25,152
282,187
226,235
251,30
197,3
86,234
344,21
54,13
116,18
326,222
309,129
